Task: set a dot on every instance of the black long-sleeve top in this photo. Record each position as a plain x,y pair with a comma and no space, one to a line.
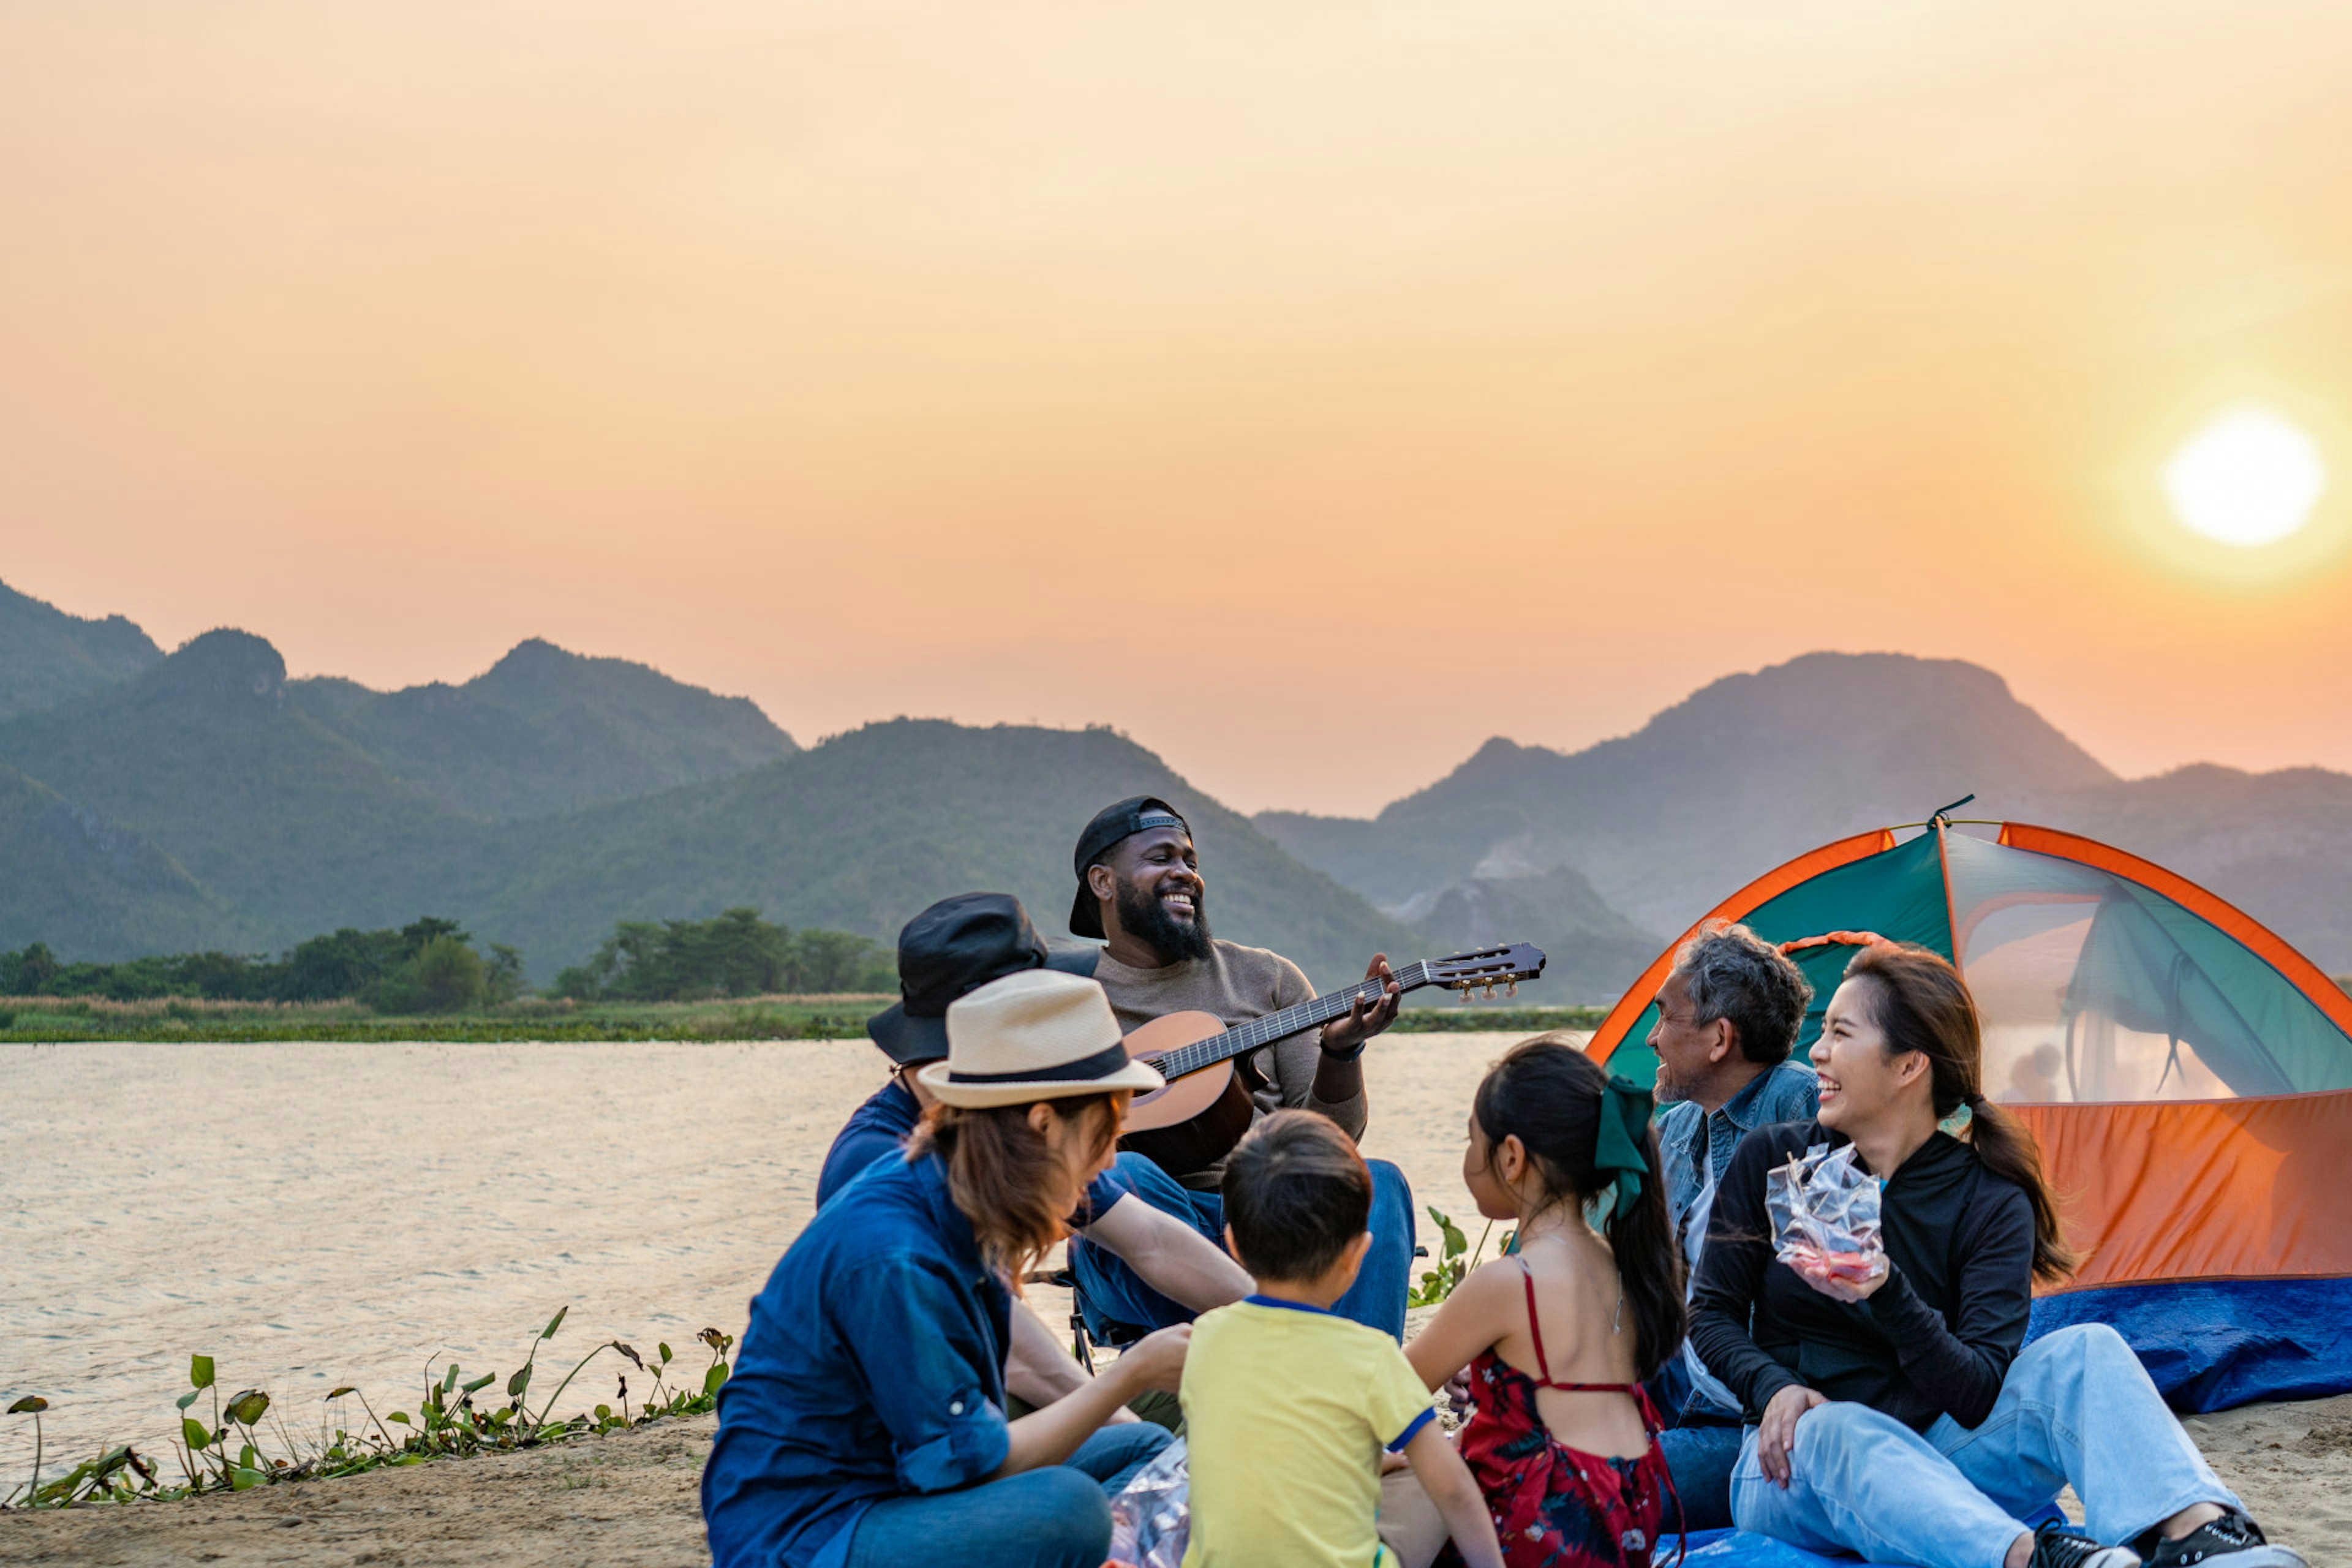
1936,1339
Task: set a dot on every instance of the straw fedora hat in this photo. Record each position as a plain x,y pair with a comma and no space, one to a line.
1038,1034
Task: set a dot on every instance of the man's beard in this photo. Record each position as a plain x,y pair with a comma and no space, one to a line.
1144,918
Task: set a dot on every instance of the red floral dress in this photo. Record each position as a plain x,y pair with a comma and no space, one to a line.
1554,1506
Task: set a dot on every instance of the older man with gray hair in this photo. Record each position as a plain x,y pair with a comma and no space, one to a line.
1727,1020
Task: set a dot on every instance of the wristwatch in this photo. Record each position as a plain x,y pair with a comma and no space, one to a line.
1339,1056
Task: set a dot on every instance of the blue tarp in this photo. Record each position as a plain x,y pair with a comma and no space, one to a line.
2213,1345
1724,1548
1745,1549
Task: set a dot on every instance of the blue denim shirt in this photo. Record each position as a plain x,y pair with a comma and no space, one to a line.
873,1368
1787,1092
880,1128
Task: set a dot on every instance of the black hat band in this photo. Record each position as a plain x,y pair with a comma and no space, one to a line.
1102,1064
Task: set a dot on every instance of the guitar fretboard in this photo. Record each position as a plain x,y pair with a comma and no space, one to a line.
1242,1038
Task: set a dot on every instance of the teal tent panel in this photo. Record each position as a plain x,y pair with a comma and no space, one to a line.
1898,893
2114,954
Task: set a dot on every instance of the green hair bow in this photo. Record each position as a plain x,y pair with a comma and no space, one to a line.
1626,1110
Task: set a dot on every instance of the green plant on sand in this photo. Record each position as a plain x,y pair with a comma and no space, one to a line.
1455,1258
448,1423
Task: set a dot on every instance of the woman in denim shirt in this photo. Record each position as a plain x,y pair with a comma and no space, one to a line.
865,1424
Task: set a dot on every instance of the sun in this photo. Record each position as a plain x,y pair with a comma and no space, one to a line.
2247,477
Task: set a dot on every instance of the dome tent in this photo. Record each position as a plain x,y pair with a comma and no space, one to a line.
2187,1075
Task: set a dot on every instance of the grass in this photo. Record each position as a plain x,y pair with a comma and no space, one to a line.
44,1020
226,1447
53,1019
1498,1020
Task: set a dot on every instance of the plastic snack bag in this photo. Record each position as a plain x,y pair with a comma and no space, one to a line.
1824,1212
1150,1519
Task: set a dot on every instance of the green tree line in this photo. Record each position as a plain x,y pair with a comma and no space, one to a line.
735,954
434,966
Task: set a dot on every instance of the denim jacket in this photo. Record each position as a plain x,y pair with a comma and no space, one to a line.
873,1368
1787,1092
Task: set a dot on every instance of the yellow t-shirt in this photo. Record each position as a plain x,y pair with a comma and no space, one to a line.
1286,1409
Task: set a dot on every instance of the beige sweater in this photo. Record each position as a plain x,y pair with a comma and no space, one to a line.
1235,984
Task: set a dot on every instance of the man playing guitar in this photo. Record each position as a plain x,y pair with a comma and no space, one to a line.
1142,893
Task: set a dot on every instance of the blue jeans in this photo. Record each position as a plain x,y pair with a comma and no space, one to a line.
2076,1408
1701,1442
1700,1457
1111,1292
1054,1517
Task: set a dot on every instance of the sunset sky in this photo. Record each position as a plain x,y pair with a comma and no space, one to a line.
1310,390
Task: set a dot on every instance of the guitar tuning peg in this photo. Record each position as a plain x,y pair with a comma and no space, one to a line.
1462,994
1511,989
1490,993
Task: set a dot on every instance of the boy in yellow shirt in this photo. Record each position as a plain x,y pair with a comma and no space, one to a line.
1289,1407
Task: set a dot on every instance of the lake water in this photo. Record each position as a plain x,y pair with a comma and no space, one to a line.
316,1215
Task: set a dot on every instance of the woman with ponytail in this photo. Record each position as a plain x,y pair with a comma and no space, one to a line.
1559,1338
1902,1416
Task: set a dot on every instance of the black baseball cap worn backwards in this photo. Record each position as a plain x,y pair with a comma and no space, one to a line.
1136,814
957,946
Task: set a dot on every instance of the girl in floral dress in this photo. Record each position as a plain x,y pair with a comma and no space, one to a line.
1558,1337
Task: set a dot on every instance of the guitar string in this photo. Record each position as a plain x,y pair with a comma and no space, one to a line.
1250,1034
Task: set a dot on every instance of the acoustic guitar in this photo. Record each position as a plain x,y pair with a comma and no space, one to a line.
1197,1119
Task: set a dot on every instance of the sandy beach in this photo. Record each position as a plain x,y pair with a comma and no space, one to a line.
630,1498
628,1502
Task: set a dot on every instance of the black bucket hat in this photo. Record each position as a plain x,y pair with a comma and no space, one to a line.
1125,819
956,946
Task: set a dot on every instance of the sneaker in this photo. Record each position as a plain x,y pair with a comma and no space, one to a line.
2057,1546
2232,1540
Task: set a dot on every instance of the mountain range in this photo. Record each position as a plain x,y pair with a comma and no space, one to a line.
1754,769
154,802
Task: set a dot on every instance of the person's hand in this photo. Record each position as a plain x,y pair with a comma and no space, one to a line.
1776,1433
1344,1035
1392,1463
1458,1391
1837,1278
1157,1360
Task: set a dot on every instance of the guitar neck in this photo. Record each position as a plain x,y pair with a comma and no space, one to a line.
1247,1036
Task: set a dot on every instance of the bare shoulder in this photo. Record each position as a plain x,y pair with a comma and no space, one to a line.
1492,1289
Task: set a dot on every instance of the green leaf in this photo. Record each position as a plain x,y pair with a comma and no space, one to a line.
243,1478
401,1416
248,1407
246,1456
554,1323
1456,1243
200,1371
193,1431
339,1392
519,1382
28,1405
716,1377
664,1347
603,1413
188,1398
480,1383
450,1381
